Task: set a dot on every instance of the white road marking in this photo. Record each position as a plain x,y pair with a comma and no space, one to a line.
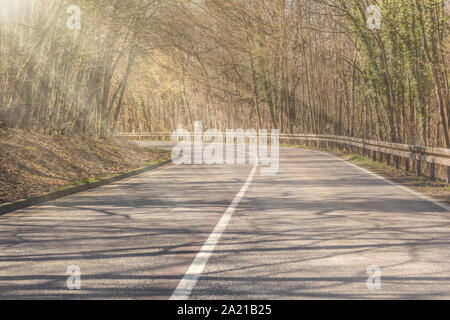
187,284
417,194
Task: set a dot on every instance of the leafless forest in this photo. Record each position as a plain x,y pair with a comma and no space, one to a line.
296,65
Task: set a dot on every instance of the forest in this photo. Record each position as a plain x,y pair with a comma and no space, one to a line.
367,69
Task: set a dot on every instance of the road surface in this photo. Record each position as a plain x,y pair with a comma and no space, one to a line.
311,231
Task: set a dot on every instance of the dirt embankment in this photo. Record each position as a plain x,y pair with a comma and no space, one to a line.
32,163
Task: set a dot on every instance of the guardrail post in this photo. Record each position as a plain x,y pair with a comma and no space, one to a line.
406,164
374,156
419,168
433,171
397,162
448,174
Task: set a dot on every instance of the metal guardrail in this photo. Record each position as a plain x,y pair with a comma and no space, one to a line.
379,149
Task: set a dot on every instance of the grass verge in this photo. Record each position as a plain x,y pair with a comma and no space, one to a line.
33,164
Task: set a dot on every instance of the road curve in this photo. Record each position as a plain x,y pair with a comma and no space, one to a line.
311,231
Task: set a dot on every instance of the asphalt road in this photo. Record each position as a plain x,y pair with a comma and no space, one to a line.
311,231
